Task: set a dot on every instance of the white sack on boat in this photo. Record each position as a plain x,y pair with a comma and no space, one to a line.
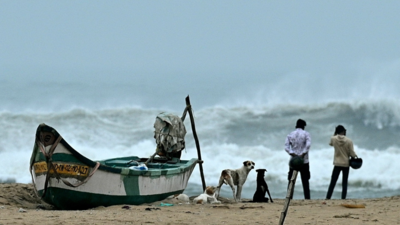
169,133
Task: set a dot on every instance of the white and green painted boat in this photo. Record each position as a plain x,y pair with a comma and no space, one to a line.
66,179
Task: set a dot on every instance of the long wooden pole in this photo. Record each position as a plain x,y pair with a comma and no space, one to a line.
189,109
289,196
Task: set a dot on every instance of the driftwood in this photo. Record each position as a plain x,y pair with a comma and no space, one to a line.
221,207
251,207
289,196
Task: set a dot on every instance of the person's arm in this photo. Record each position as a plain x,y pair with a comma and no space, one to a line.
351,148
308,145
288,149
331,142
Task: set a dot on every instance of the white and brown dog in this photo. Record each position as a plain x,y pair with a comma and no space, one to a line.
235,177
207,197
179,198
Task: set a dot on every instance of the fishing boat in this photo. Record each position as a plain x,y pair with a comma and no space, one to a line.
68,180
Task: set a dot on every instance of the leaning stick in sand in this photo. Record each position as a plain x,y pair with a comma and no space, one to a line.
289,196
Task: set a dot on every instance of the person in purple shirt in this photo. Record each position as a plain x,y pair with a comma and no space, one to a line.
298,143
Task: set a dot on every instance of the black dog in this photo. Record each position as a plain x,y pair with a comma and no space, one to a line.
262,187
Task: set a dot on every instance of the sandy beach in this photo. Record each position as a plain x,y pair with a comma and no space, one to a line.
19,205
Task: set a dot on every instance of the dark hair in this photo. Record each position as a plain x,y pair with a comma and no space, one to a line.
301,124
340,129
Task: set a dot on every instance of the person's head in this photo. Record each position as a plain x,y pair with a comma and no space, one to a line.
301,124
340,130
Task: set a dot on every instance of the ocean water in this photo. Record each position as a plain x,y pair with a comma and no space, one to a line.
113,119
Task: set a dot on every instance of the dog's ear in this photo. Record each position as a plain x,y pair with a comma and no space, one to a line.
248,163
210,190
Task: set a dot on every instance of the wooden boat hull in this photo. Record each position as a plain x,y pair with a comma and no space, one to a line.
66,179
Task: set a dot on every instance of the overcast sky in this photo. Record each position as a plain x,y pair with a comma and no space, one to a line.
198,35
208,40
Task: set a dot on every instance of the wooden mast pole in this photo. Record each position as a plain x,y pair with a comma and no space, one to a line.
189,109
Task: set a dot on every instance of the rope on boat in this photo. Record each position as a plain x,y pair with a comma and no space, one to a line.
79,184
50,166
